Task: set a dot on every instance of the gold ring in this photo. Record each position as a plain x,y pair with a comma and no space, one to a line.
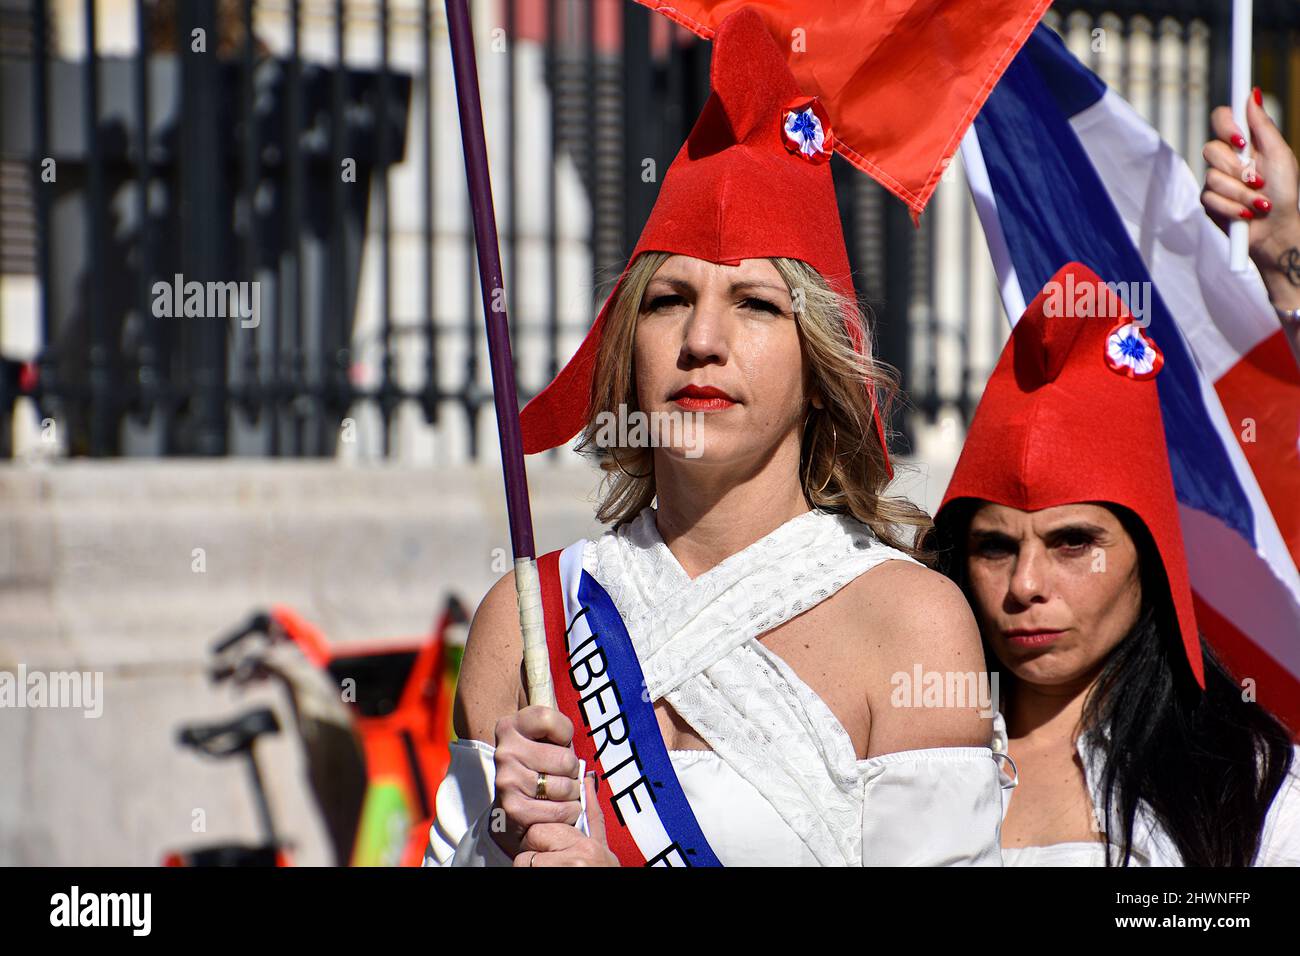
532,859
540,792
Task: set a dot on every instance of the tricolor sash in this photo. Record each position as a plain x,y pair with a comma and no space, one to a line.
600,688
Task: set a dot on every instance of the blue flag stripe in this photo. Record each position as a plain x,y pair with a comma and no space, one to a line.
643,727
1054,209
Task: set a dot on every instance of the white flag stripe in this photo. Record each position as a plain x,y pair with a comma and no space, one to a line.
1232,580
1159,200
1155,194
986,205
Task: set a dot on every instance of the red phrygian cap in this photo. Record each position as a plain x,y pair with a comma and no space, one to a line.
1071,415
739,188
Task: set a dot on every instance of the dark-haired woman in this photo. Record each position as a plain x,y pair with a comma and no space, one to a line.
1131,744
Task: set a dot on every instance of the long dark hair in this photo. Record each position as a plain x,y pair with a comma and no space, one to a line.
1207,764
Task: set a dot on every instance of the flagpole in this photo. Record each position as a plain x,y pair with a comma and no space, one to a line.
1239,231
527,585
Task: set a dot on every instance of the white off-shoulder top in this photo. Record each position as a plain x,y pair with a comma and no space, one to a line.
921,808
1151,846
783,784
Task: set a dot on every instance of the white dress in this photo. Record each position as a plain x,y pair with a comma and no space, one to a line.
1151,846
783,784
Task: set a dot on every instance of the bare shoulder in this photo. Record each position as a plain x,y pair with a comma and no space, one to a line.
490,685
909,618
910,609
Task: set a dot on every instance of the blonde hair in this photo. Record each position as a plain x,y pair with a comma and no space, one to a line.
842,463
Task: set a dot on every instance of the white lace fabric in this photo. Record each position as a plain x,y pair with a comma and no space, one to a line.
783,785
696,641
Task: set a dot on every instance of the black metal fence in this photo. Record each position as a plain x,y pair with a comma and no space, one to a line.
187,166
205,175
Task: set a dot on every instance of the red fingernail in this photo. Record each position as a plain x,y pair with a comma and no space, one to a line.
1247,214
1238,140
1263,205
1259,96
1255,182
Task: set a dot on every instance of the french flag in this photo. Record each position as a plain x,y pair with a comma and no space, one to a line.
1061,168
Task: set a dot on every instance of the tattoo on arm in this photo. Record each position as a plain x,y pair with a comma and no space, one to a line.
1289,263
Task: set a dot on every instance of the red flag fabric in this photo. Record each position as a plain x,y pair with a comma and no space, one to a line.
901,79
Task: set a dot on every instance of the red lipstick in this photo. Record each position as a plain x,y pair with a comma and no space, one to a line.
1031,636
702,398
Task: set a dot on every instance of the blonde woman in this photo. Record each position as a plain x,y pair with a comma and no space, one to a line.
727,664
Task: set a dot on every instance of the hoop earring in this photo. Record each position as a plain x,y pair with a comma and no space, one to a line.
618,464
835,447
835,441
803,472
